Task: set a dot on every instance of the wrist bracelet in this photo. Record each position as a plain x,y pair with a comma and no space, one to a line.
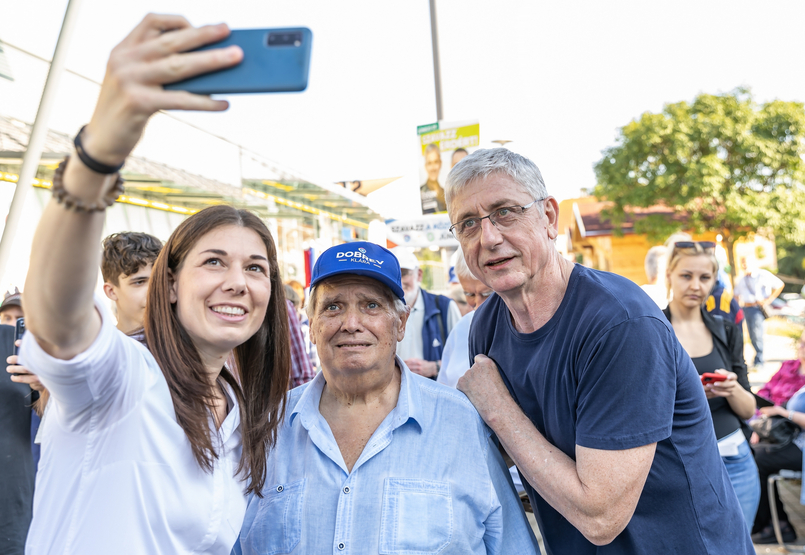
72,202
89,161
791,415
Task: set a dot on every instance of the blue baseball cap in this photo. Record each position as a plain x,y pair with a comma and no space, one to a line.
362,258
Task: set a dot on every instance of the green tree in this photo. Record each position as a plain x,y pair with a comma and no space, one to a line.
791,262
731,165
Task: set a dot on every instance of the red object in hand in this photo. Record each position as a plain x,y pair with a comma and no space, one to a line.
710,377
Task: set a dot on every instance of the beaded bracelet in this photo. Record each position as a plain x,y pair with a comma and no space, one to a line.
72,202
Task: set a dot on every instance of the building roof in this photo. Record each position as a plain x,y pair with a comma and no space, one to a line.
584,215
158,185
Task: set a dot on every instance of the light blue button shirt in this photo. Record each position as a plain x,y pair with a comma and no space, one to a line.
429,480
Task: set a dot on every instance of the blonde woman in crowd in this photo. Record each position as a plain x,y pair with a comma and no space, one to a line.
714,346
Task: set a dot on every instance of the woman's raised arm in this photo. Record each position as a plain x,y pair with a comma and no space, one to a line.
65,254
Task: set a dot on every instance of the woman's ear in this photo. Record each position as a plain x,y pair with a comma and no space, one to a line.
172,286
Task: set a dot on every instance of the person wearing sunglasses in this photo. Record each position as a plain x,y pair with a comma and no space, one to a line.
715,345
580,376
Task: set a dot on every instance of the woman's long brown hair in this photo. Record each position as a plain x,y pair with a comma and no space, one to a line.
263,361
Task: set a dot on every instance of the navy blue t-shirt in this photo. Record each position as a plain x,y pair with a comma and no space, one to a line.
607,372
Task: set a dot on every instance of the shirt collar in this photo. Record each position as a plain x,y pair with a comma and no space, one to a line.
409,402
308,404
419,303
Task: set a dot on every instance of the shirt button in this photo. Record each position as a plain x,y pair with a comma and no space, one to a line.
279,489
346,489
341,546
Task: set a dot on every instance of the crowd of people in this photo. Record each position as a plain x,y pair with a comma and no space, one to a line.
219,410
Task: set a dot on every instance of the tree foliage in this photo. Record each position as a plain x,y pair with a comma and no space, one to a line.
730,164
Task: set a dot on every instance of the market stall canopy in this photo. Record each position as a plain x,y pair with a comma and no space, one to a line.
162,187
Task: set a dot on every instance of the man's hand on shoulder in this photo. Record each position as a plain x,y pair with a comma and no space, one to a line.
484,387
426,368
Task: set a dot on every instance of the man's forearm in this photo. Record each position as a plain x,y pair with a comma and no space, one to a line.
599,513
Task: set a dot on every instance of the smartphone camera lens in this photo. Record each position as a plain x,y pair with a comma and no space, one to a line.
285,39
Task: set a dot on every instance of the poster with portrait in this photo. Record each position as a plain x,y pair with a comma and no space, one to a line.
442,145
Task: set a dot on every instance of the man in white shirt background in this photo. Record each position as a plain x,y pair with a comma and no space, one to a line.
431,320
755,290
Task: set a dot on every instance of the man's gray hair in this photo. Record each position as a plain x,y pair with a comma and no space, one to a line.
485,162
398,304
652,263
461,268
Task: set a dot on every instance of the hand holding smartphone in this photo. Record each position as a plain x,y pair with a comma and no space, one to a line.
274,60
711,377
20,331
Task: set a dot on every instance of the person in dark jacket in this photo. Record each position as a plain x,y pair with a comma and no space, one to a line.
715,346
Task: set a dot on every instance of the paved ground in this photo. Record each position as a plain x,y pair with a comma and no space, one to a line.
789,493
777,350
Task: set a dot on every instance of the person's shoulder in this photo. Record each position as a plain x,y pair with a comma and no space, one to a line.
464,323
487,313
616,293
292,397
444,397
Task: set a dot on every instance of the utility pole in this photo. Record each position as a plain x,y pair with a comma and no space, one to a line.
437,70
36,141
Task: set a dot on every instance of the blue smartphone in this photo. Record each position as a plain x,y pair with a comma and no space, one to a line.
274,60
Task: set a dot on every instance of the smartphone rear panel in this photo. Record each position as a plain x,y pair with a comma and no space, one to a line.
274,60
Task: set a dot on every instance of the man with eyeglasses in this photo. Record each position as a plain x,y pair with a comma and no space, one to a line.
584,383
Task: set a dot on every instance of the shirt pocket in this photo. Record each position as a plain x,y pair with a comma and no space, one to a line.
277,525
417,517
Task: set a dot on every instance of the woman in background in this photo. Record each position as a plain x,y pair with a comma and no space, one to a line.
714,346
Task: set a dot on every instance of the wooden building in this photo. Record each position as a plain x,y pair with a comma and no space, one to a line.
588,239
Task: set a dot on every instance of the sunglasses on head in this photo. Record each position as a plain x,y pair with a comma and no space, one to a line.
692,244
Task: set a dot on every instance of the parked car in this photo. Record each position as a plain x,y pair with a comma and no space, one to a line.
788,305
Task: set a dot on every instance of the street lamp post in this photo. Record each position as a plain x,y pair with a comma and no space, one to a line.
437,71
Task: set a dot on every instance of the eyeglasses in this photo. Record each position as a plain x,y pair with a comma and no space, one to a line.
692,244
502,218
485,294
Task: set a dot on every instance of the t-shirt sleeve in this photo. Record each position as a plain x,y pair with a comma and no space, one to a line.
99,383
771,281
627,386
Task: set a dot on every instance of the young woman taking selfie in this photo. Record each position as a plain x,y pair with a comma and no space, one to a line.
152,449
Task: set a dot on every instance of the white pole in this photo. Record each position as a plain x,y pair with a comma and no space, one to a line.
437,66
36,141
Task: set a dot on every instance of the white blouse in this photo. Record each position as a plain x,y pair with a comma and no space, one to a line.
117,473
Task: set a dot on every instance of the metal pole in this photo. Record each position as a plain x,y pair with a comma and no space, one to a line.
36,141
437,69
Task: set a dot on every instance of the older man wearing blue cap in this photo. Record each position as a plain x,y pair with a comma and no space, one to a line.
373,458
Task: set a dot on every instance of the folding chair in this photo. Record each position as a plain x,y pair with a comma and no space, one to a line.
794,476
